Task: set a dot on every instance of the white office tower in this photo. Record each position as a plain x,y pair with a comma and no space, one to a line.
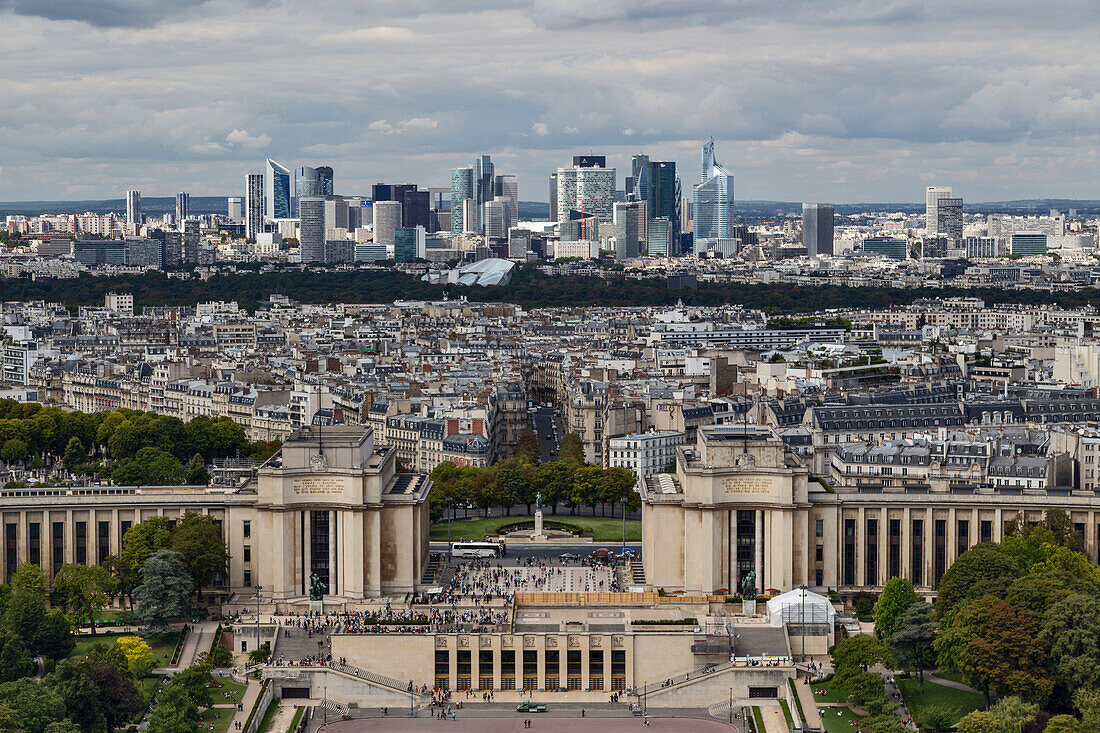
589,189
254,204
469,216
496,218
234,209
133,207
387,218
932,196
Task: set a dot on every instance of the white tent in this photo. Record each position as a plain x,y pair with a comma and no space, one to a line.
798,604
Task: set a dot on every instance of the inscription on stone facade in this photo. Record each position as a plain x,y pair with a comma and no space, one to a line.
313,485
746,485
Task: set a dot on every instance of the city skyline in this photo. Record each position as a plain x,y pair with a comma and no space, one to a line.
870,116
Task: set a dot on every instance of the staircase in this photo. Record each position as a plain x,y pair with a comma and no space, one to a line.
638,569
430,569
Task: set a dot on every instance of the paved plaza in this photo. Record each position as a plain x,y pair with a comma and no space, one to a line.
539,721
503,578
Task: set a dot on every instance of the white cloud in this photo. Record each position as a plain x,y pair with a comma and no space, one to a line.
628,131
541,129
242,138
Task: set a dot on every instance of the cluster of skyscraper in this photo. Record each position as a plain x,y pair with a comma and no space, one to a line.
483,202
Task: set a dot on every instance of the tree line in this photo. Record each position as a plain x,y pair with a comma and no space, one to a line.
521,479
1018,619
128,446
529,287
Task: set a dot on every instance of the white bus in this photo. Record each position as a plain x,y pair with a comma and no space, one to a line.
477,549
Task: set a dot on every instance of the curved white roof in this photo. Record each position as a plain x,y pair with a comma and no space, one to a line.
798,604
492,271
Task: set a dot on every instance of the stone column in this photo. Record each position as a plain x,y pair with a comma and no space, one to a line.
333,577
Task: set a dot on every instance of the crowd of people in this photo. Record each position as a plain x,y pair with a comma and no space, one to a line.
487,580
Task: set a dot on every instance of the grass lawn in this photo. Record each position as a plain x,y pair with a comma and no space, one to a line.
265,722
601,529
225,685
161,644
221,724
149,685
298,713
757,720
786,713
953,676
959,702
832,692
835,723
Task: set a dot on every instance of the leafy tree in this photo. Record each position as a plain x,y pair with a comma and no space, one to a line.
75,453
587,486
937,718
9,720
513,477
197,475
62,726
896,597
260,654
55,635
195,682
1008,658
198,538
84,591
1087,702
140,542
856,654
150,467
979,563
219,656
73,682
174,712
1064,724
27,605
139,655
978,721
864,604
165,590
958,630
14,451
555,481
912,639
1071,630
572,449
35,705
15,659
527,447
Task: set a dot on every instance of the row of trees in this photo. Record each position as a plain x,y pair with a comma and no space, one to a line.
1016,619
519,480
528,287
129,446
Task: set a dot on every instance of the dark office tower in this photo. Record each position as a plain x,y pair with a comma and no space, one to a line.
483,179
817,229
311,232
382,192
324,175
415,206
589,161
254,204
553,197
949,218
183,208
637,185
660,193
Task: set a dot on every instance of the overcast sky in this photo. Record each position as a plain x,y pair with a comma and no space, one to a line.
827,100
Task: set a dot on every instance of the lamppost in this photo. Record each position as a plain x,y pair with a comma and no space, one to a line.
731,706
449,512
624,525
259,588
802,588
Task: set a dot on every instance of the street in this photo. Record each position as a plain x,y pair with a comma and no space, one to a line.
547,428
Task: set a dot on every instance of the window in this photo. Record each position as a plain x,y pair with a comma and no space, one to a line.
248,578
916,567
820,528
247,528
248,553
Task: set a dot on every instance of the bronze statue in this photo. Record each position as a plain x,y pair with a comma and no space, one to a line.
317,589
748,586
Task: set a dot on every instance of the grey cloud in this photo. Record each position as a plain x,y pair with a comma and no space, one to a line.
103,13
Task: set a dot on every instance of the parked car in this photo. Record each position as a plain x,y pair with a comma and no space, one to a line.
530,707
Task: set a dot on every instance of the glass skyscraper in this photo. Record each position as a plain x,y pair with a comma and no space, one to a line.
661,196
817,229
462,188
276,191
311,182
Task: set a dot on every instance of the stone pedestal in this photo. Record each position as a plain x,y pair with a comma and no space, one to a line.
538,535
748,607
317,607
